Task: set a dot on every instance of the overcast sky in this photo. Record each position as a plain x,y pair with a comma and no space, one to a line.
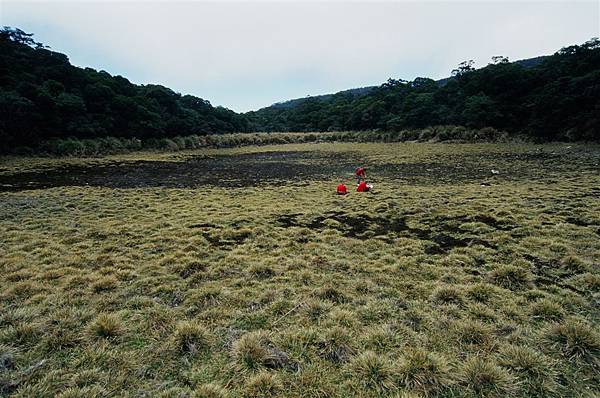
247,55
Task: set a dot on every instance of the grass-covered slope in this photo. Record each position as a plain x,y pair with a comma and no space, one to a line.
449,281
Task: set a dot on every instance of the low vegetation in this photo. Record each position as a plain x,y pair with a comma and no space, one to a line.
251,278
114,145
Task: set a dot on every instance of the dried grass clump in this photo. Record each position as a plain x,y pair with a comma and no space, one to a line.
83,392
314,309
263,385
331,293
255,350
423,371
251,350
574,264
190,337
343,317
22,334
205,297
482,312
534,371
107,326
380,338
371,371
104,284
511,277
210,390
473,332
481,292
483,378
588,281
547,310
574,339
447,295
335,345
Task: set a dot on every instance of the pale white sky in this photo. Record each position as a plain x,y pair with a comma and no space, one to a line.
245,55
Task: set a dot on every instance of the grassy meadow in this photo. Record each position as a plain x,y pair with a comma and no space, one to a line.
251,278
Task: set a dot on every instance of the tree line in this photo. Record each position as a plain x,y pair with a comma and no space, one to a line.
557,99
43,97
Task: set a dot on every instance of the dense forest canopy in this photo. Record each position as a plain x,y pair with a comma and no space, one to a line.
557,98
43,96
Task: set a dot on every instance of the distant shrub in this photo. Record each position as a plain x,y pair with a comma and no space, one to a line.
108,145
310,138
180,142
168,145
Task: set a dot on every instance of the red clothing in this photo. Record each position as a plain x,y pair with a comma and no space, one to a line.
360,172
362,187
341,189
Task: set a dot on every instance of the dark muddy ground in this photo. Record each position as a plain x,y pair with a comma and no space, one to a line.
276,168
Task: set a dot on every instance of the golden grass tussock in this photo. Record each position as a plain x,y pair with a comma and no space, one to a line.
535,372
210,390
484,378
106,326
371,372
191,337
423,371
263,385
575,339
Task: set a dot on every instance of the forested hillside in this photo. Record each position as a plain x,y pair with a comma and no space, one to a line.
43,96
557,97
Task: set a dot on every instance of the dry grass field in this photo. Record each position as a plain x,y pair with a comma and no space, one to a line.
240,273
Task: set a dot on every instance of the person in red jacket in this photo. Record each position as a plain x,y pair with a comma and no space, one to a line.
360,174
363,187
341,189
